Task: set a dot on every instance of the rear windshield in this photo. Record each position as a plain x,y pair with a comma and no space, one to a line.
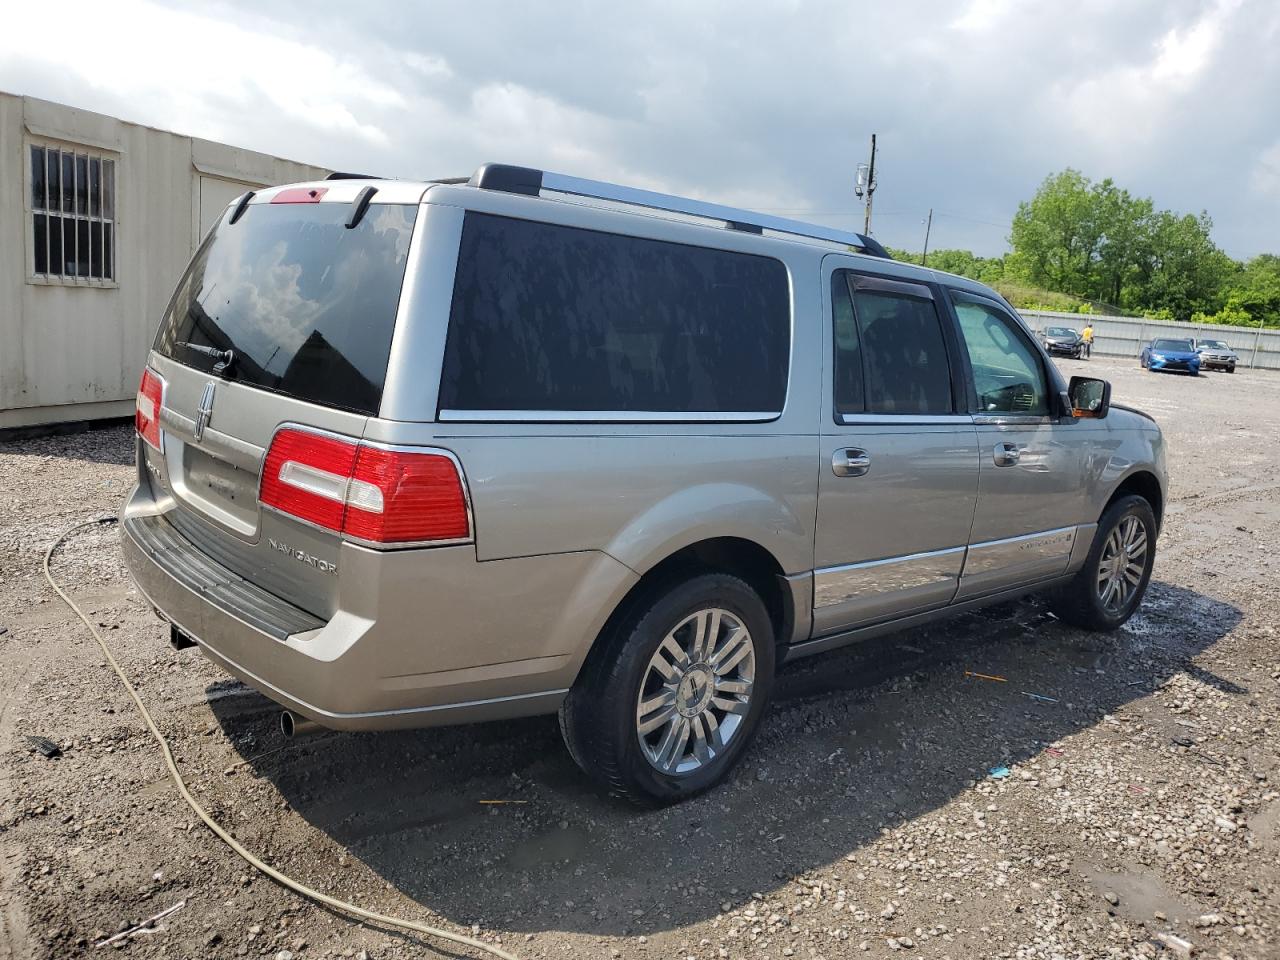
306,305
1173,346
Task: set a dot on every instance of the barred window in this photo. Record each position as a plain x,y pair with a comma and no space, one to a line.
73,214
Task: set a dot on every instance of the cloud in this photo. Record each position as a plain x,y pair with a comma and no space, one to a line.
768,106
1265,176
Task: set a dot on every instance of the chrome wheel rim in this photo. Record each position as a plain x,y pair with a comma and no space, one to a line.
696,691
1123,561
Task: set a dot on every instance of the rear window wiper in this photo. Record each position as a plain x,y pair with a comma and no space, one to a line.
223,359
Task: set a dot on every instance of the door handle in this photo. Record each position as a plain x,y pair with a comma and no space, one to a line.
850,462
1007,454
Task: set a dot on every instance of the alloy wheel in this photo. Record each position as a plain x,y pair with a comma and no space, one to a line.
696,691
1122,564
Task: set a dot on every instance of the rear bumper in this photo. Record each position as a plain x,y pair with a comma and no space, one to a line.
424,638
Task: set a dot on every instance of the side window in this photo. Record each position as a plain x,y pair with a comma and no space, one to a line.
849,394
889,350
552,318
1006,368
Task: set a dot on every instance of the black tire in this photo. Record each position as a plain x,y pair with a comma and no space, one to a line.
598,718
1079,602
1231,369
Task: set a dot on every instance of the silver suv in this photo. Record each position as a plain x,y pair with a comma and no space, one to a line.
424,453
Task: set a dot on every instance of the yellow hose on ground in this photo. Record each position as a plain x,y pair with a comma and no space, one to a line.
272,872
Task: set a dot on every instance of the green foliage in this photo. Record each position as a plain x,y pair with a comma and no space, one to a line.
1026,297
1232,314
1098,242
1255,289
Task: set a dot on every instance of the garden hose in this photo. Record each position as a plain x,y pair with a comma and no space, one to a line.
280,878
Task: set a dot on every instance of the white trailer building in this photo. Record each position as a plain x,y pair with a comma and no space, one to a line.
98,218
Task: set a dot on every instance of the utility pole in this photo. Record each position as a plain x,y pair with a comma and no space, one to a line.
924,257
866,185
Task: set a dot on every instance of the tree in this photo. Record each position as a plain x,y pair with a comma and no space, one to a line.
1180,268
1255,288
1126,224
1057,233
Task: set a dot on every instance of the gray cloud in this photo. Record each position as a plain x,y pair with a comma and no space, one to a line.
764,105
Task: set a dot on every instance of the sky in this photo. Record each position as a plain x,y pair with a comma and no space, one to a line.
764,105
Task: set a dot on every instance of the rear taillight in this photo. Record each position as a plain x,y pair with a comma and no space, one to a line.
146,417
368,493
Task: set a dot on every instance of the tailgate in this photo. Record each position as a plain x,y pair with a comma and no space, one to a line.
284,316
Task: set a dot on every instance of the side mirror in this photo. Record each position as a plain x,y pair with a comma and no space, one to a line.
1089,397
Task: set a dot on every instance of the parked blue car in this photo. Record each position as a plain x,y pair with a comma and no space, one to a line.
1171,355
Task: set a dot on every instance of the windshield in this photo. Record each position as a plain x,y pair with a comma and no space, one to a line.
306,305
1060,332
1172,346
1214,344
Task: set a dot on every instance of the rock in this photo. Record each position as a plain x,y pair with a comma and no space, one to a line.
1176,945
1225,825
284,955
888,912
1111,898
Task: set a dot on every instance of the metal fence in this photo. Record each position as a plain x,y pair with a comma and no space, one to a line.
1125,336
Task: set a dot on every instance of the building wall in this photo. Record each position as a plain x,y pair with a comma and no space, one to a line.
73,349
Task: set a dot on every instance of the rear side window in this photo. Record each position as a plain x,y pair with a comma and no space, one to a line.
890,356
552,318
306,305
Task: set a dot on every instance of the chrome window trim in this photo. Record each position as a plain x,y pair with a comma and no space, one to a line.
903,419
604,416
399,448
1003,419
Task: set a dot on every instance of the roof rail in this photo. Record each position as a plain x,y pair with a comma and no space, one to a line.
339,175
531,182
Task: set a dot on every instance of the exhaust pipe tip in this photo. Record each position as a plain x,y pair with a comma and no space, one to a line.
294,726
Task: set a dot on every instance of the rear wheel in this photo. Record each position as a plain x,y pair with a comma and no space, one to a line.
674,692
1111,584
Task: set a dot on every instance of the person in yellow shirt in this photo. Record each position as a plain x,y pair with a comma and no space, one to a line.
1086,337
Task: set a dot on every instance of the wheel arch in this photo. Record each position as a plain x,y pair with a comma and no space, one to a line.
743,558
1144,484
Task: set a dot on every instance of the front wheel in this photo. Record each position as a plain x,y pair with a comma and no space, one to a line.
1111,584
674,691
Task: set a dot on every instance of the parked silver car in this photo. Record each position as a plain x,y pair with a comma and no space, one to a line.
1216,354
426,453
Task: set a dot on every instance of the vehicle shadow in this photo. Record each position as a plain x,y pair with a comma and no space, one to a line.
858,740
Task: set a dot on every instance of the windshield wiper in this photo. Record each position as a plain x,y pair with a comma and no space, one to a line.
223,359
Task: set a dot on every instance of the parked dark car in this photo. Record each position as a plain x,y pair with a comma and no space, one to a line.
1063,341
1166,354
1215,354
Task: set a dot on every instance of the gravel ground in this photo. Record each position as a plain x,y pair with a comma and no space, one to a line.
1140,816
